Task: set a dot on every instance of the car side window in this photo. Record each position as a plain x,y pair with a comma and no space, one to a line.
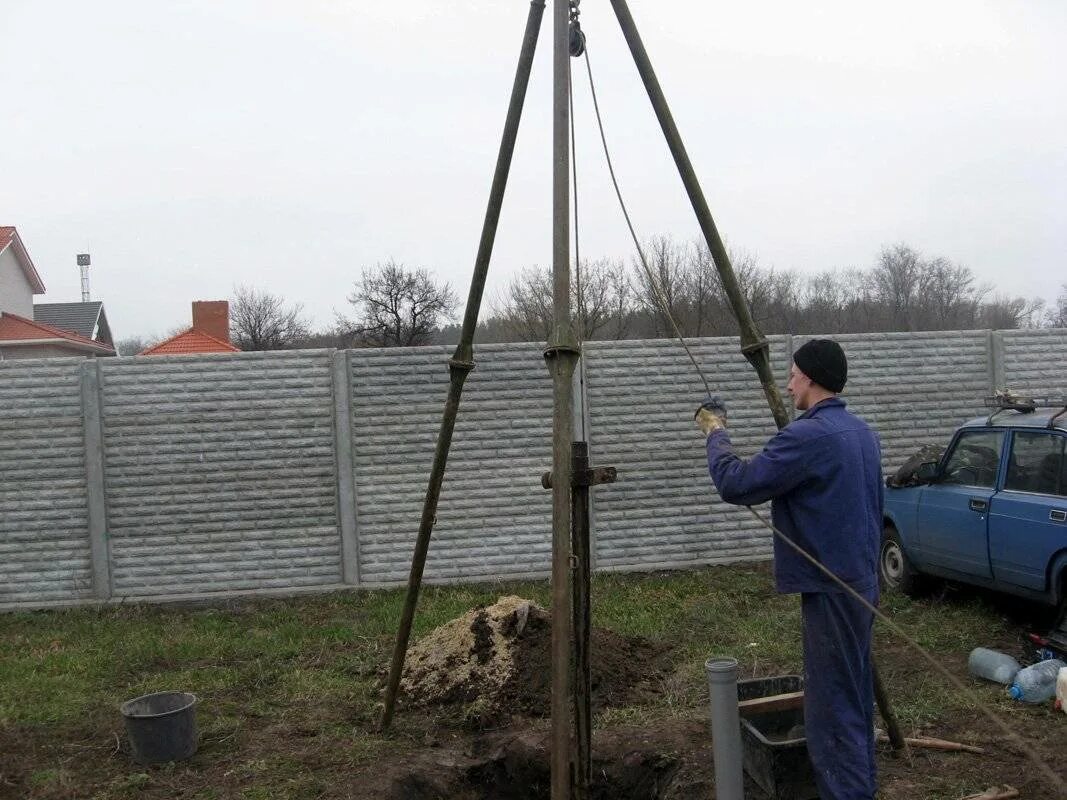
974,459
1037,463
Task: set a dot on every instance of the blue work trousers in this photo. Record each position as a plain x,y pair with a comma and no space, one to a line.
839,694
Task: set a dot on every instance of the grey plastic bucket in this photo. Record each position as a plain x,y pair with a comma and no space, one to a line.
161,726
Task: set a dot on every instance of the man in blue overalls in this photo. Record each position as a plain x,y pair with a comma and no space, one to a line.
823,474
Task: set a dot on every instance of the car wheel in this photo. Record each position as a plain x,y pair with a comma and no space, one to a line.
896,571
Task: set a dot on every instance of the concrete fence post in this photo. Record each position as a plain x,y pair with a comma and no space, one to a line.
997,367
93,430
346,485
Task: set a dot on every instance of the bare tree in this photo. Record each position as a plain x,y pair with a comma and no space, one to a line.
260,320
397,307
704,288
895,282
132,345
667,284
601,299
1056,317
1009,312
526,307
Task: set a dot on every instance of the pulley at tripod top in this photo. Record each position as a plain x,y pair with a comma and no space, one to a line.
577,36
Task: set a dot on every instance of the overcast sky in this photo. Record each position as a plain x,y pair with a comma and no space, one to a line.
191,146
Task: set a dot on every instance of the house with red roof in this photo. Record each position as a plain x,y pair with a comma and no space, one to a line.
61,329
210,332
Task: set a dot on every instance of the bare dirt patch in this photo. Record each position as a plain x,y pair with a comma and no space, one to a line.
493,663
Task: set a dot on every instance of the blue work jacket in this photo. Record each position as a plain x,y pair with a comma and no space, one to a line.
823,476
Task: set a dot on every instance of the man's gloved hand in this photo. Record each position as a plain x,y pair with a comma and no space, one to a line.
711,416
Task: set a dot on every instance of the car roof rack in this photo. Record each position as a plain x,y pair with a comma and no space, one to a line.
1008,401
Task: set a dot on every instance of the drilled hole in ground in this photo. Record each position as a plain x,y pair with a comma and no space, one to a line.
517,768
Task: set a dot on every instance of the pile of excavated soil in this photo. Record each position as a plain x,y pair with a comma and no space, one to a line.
496,662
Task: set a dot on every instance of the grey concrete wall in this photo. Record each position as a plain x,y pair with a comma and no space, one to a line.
494,518
220,473
45,553
915,388
1035,362
662,511
177,477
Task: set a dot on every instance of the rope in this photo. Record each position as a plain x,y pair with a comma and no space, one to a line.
1053,780
653,283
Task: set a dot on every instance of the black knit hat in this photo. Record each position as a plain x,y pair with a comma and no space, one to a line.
824,362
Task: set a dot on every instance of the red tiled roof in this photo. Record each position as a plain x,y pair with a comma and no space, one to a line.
14,328
7,233
190,341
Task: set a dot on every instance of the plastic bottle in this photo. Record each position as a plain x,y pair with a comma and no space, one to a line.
1037,683
992,665
1061,690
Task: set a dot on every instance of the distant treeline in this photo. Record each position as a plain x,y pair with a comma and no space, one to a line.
394,305
903,291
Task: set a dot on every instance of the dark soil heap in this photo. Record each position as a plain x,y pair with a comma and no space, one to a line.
495,662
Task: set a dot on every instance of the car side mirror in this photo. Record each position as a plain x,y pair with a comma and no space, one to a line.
927,471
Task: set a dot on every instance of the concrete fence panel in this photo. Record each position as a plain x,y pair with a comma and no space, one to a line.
663,511
45,555
220,473
915,388
494,519
1035,361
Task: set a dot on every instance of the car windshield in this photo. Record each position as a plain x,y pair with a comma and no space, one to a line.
974,459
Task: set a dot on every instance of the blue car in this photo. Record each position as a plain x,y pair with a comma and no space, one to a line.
992,511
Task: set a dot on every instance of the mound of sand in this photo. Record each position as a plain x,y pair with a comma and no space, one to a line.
495,662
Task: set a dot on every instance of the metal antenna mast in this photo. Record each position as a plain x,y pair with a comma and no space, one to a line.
83,265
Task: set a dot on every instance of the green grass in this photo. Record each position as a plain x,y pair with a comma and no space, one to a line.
57,667
314,663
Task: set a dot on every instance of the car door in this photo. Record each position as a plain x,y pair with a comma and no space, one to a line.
952,514
1028,519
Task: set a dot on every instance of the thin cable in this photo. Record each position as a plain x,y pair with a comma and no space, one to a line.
1054,780
653,283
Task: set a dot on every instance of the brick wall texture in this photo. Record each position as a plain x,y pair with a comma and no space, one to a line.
219,475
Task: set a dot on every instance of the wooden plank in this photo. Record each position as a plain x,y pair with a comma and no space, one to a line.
772,702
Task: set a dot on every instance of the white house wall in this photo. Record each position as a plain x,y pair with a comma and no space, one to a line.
16,293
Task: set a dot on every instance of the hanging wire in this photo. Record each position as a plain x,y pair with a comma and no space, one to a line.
657,290
1053,779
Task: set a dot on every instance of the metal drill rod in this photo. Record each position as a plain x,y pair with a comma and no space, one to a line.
583,689
561,357
753,344
463,359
